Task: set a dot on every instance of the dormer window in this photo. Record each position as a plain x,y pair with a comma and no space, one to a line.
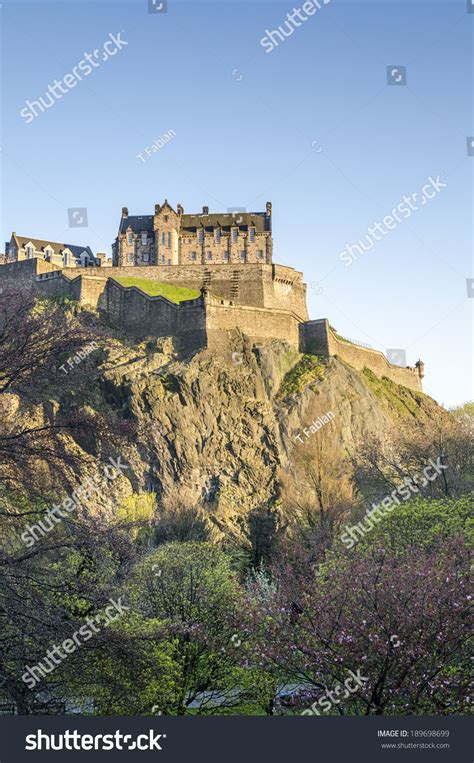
30,250
252,234
235,234
48,252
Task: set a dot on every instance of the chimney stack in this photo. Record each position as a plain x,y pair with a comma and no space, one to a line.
124,211
205,210
157,209
269,208
180,209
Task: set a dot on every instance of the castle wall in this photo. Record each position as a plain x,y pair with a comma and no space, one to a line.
256,285
318,338
140,315
22,273
87,290
256,322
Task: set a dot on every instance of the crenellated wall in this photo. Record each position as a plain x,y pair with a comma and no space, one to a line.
318,338
262,301
256,285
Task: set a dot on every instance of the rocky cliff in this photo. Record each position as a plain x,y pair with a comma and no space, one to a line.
224,427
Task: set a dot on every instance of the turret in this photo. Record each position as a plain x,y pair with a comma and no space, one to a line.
421,368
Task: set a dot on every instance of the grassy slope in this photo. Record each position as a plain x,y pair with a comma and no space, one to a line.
155,289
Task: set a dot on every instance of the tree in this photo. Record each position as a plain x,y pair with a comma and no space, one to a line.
36,339
398,618
317,491
191,590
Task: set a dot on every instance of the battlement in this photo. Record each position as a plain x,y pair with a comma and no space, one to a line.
263,301
318,338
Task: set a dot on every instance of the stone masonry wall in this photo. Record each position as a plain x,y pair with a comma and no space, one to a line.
23,272
140,315
319,339
256,322
256,285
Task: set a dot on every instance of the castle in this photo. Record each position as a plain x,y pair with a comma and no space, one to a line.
172,237
225,259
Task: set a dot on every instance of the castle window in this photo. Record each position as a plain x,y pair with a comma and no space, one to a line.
193,256
163,260
130,258
163,238
201,236
144,239
29,251
226,255
260,254
145,257
129,238
242,254
166,218
209,255
252,234
235,234
218,235
169,240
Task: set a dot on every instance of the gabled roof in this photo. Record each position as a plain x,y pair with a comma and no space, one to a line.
138,224
191,223
40,245
226,220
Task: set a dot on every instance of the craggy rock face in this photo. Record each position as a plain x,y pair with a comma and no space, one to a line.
223,428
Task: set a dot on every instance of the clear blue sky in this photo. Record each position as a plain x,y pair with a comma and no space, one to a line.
246,122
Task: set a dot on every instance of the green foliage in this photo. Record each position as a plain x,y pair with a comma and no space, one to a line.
191,589
404,401
467,409
308,371
138,510
139,677
423,523
156,288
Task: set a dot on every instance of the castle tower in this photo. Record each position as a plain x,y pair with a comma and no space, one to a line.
166,224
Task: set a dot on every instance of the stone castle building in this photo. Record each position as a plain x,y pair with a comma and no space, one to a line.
224,258
62,255
172,237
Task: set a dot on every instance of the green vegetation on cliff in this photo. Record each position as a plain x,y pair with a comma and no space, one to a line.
398,398
307,372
